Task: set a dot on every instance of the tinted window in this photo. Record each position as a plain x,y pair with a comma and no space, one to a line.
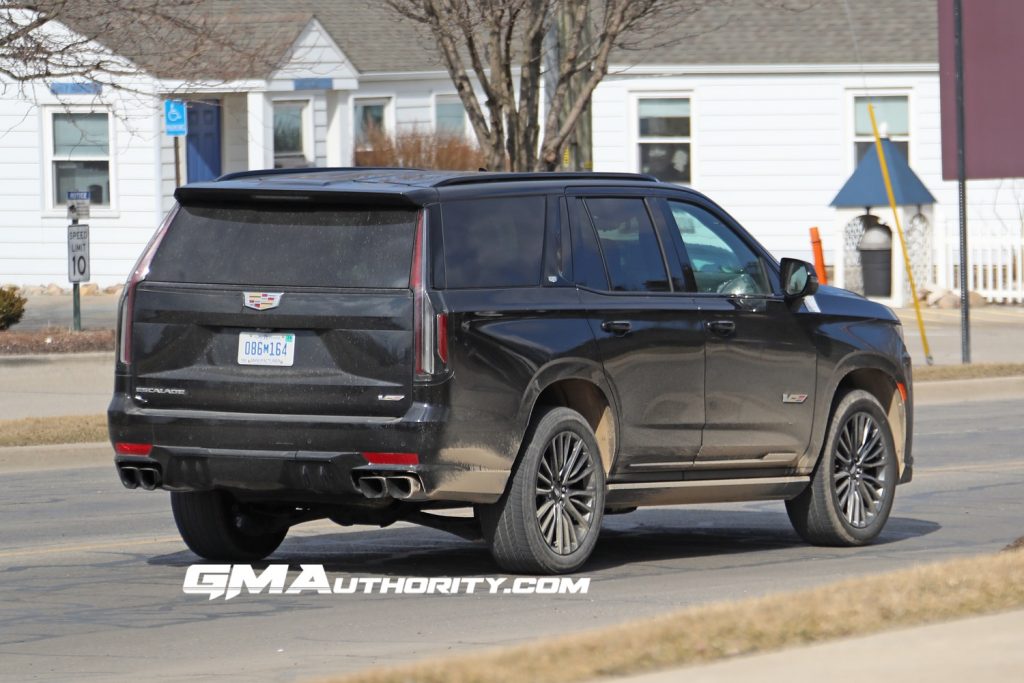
588,268
495,242
287,246
630,247
722,262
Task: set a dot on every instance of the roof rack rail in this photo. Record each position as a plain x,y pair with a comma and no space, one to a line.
474,178
296,171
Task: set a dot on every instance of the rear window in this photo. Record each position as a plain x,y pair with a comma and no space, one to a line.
287,246
494,242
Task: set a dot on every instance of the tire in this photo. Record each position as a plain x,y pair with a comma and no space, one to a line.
536,526
851,492
207,522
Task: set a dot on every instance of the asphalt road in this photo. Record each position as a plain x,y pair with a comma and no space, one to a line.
995,329
91,574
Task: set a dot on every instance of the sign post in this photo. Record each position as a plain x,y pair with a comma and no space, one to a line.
78,251
961,183
176,126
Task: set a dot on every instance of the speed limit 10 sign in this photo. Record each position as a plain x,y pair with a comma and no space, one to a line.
78,253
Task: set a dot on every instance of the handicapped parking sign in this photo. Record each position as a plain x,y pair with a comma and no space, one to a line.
175,118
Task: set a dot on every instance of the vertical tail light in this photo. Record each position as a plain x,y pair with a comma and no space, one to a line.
442,337
430,329
139,273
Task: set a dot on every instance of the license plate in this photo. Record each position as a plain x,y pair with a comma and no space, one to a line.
266,348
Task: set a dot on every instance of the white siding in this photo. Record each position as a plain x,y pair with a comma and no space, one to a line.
412,100
774,149
320,118
234,128
315,55
33,237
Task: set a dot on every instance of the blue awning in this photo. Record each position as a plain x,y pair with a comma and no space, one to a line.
865,187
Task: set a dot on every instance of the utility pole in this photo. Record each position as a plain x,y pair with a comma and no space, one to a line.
580,144
961,174
578,152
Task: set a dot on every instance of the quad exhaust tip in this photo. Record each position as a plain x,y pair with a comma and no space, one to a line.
373,487
149,478
129,477
133,477
401,487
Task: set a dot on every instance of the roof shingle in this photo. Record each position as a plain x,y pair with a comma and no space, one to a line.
377,40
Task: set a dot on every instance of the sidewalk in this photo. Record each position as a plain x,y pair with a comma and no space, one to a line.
996,332
989,648
995,329
82,384
54,385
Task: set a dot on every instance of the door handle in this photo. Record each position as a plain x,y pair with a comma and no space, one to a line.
619,327
722,328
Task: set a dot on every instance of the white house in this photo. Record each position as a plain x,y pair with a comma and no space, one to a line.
762,109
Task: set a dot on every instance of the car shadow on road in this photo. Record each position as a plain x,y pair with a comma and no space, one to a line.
652,535
679,535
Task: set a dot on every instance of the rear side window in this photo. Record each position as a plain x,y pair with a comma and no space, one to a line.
588,269
287,246
629,245
495,242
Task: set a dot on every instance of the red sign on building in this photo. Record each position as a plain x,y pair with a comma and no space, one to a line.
993,48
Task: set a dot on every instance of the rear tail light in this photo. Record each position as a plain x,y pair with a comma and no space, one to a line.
430,329
442,337
139,274
122,448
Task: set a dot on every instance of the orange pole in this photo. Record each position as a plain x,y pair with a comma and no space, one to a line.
819,256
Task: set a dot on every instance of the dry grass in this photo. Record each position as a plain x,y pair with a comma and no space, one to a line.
419,149
55,340
924,373
39,431
905,598
1016,545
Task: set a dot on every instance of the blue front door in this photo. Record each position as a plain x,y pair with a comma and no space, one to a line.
203,141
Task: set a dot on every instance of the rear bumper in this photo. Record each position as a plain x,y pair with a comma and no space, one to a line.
299,458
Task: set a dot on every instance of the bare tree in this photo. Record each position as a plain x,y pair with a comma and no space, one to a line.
109,42
492,39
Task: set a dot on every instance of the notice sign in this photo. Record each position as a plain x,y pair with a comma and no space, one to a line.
78,205
78,253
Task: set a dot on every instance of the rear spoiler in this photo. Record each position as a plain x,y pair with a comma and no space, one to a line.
218,194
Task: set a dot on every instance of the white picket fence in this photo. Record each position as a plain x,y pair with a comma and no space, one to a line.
995,260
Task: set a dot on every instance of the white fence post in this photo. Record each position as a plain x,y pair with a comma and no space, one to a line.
995,262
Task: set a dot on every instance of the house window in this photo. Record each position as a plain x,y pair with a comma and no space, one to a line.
290,135
369,119
450,115
369,126
892,115
664,138
81,156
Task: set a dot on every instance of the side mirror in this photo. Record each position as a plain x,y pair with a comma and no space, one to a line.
798,278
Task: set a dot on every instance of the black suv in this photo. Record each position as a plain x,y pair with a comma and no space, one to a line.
374,345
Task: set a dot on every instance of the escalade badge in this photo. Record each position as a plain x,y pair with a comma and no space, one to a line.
261,301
